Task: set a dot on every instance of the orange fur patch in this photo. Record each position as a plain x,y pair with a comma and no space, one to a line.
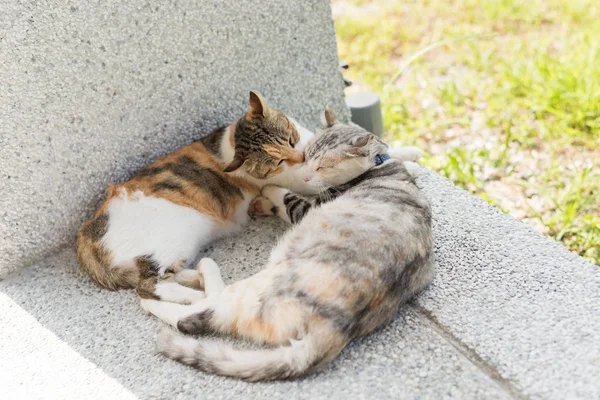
192,195
279,152
96,261
231,133
255,329
258,328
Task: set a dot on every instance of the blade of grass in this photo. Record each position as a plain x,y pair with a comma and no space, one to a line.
427,49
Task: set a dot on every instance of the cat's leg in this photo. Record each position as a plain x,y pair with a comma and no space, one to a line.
413,168
262,206
211,274
189,278
172,292
186,277
287,205
176,293
231,313
171,313
406,153
238,310
244,310
409,156
165,287
197,318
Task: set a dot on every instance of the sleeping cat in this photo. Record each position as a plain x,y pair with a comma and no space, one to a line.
158,220
154,224
357,252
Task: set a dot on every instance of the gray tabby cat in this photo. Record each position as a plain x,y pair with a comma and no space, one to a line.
357,252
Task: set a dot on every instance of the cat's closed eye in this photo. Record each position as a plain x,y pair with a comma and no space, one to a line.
280,162
291,143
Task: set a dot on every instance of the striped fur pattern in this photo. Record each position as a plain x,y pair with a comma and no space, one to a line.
355,254
151,226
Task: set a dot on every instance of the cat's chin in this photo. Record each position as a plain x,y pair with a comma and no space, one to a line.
318,186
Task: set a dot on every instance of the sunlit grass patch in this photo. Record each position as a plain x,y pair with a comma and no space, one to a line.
514,118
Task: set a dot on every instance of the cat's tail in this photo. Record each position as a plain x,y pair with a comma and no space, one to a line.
221,358
95,262
95,259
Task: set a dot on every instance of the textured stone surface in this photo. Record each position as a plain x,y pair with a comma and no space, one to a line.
35,362
91,92
407,359
88,94
525,304
510,314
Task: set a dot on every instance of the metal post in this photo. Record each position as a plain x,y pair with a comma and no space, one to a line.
366,111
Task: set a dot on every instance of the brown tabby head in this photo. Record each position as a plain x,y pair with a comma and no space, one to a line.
264,141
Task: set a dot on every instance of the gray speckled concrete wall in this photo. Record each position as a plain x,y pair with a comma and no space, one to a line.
90,93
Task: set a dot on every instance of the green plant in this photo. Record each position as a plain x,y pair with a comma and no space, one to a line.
504,96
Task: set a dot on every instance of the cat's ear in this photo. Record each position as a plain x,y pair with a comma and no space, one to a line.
361,145
328,118
258,105
362,141
235,164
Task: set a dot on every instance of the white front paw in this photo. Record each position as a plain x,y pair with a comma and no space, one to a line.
261,206
147,304
274,193
413,168
406,153
208,266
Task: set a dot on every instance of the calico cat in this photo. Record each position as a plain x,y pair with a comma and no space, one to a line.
357,252
152,225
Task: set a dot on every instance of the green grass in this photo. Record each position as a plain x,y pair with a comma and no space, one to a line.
513,117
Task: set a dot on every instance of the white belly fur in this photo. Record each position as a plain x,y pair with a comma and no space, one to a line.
142,225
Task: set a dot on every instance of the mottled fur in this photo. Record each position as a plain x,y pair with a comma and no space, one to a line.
357,252
152,225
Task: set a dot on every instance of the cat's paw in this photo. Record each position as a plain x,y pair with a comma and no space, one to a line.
208,266
148,304
274,193
406,153
413,168
261,206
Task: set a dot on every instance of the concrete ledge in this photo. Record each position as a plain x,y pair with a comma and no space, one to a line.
407,359
510,315
523,303
91,92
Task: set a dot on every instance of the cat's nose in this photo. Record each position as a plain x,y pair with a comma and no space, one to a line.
305,178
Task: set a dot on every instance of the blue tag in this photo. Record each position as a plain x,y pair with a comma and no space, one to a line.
381,158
